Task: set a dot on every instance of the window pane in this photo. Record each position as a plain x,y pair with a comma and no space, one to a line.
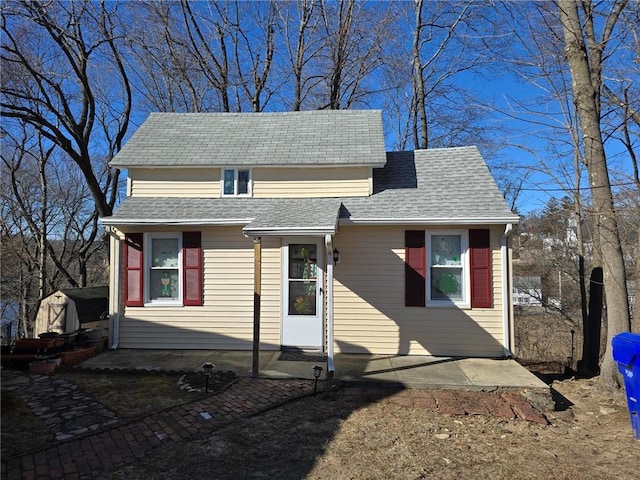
302,298
164,252
446,284
243,182
164,284
228,182
446,249
302,260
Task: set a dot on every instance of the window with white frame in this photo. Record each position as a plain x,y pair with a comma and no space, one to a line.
164,276
447,268
236,182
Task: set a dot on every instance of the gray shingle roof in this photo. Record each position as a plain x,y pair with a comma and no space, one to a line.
438,186
435,186
261,216
321,137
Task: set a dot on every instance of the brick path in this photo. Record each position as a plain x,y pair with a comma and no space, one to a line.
87,456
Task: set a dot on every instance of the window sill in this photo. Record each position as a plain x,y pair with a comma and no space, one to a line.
163,304
461,306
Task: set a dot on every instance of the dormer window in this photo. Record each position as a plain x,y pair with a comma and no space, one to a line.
236,182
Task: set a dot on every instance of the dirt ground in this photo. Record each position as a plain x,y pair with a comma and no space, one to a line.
364,434
341,436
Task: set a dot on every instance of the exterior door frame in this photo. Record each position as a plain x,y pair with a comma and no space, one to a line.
302,331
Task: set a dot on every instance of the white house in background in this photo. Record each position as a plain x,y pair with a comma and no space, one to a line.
527,291
351,248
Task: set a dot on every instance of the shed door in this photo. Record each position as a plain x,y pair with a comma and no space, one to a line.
56,317
302,283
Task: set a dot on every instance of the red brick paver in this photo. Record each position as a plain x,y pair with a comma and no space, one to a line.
462,402
85,457
103,451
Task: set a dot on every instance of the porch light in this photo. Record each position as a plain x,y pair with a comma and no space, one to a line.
208,369
336,256
317,371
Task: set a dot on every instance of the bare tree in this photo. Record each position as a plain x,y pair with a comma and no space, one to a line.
49,223
584,49
254,67
431,39
354,34
302,45
48,52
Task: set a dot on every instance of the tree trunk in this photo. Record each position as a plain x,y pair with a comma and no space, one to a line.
588,366
585,68
420,122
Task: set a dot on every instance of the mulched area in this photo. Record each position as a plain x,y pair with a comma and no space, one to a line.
197,381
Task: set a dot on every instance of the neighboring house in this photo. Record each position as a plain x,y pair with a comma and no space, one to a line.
527,291
349,248
69,309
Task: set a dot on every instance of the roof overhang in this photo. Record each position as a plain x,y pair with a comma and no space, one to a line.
135,222
429,221
311,231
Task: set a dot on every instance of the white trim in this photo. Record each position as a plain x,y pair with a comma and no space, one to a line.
328,242
428,221
148,239
293,231
284,281
236,171
142,222
464,266
114,290
506,290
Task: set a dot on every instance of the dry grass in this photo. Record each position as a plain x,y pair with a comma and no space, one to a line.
22,430
335,436
340,435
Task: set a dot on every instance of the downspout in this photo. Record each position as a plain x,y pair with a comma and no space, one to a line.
506,291
114,287
328,242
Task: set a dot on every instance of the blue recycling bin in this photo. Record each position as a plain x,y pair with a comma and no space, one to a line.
626,351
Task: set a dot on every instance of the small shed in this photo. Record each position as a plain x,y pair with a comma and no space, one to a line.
69,309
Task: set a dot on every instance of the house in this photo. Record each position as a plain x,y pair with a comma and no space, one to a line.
298,227
68,309
527,291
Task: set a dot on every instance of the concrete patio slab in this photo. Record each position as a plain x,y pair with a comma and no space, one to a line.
409,371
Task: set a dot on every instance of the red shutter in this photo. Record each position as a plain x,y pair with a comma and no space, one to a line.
192,268
133,268
480,253
415,268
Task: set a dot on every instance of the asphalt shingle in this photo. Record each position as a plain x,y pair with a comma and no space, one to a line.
321,137
447,185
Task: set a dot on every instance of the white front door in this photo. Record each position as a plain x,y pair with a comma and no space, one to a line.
302,283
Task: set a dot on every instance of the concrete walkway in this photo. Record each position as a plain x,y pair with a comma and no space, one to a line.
409,371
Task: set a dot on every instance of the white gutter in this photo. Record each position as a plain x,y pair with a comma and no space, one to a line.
328,242
426,221
285,232
173,221
114,289
506,291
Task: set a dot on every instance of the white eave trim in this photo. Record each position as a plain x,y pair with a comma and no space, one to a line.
429,221
186,221
293,231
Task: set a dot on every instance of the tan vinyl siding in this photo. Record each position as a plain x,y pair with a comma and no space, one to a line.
186,182
311,182
225,321
369,311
